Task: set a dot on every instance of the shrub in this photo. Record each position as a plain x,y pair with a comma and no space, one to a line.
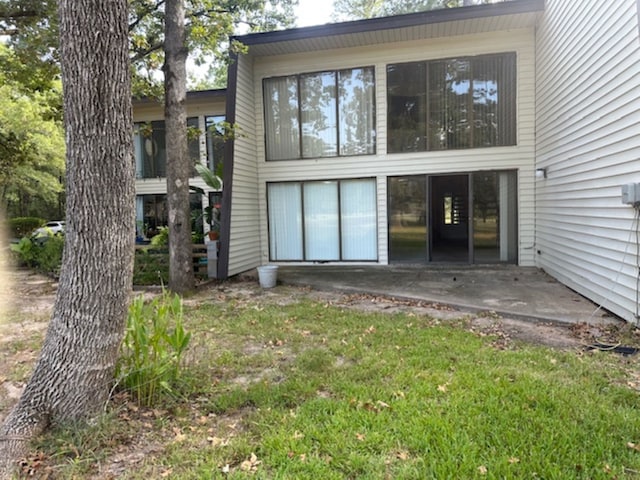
152,349
22,226
43,254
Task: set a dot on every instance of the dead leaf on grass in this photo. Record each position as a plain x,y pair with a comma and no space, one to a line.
402,455
250,465
633,446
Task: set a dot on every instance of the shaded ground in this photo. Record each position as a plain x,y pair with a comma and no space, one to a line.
29,299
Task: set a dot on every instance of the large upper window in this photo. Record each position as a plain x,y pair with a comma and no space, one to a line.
466,102
150,149
323,114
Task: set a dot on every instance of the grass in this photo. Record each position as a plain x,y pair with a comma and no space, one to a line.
310,391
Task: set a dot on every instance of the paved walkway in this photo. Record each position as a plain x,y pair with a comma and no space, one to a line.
510,291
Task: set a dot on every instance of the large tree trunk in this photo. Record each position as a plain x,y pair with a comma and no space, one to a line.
75,369
178,164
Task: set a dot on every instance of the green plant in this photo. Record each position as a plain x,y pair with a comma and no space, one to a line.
162,238
22,226
213,181
152,349
43,254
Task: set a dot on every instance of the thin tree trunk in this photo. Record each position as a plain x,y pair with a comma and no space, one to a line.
75,369
178,164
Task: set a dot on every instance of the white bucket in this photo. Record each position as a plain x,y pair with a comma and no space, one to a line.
268,275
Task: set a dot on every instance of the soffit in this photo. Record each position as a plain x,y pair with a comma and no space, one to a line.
510,15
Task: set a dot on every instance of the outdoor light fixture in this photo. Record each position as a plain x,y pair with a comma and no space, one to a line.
541,173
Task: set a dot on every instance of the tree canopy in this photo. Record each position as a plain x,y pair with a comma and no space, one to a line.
344,10
31,27
31,139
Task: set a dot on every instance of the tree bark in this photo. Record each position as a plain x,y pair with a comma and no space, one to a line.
74,372
179,166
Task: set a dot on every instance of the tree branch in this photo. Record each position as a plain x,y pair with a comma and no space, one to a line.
145,13
140,55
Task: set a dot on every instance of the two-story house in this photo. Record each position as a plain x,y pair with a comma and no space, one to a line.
498,133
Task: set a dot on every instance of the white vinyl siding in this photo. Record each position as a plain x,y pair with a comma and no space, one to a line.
380,165
244,241
588,140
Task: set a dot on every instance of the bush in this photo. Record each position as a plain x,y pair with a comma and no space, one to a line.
43,254
151,352
22,226
151,266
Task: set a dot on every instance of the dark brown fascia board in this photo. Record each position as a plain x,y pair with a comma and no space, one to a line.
511,7
193,95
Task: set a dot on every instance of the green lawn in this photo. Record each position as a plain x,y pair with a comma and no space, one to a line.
311,391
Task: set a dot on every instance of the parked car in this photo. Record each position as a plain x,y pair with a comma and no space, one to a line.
55,227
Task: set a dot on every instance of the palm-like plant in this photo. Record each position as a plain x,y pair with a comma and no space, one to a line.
214,182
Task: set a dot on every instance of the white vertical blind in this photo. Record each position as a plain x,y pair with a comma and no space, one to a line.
358,219
321,223
285,221
281,113
137,143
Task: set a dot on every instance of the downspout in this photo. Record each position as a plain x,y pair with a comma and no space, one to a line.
227,168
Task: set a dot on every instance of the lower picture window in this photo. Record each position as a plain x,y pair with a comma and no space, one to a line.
331,220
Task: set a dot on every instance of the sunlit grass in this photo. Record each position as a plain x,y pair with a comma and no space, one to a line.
318,392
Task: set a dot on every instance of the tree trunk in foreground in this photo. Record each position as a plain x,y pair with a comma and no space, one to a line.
178,163
74,372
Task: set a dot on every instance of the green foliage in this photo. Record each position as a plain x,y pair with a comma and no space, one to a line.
22,226
151,266
161,239
358,9
32,151
152,350
42,253
31,29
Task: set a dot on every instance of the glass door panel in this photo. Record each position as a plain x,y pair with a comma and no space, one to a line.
449,218
408,219
495,217
486,224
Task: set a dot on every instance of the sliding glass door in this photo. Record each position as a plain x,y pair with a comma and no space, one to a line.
461,218
322,221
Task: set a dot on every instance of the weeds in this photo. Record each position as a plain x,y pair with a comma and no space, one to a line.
153,347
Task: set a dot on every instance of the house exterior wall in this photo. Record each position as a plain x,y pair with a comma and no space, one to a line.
381,165
588,139
244,234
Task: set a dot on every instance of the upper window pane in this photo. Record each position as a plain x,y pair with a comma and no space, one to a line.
468,102
150,147
281,114
215,142
322,114
407,107
319,115
357,111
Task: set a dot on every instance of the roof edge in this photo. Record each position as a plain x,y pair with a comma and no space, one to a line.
509,7
191,95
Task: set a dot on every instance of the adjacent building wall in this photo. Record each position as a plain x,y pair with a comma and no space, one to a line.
148,110
588,140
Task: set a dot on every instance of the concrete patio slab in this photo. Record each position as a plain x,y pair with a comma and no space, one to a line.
509,291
